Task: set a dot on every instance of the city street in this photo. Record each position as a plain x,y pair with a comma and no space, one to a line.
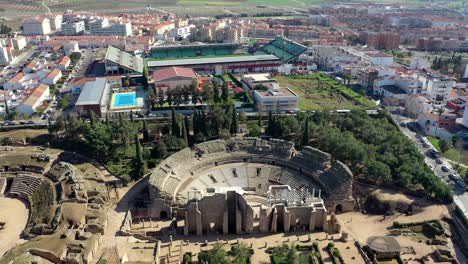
460,196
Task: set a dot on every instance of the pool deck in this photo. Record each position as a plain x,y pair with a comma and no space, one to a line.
139,101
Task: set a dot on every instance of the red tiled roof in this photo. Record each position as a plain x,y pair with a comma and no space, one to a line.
64,60
17,78
54,73
168,73
36,94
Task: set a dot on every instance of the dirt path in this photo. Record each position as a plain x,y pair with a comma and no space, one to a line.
15,214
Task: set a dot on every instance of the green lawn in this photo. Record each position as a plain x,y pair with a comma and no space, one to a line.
434,141
328,95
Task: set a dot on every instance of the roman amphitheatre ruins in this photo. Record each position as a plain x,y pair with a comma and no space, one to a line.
260,193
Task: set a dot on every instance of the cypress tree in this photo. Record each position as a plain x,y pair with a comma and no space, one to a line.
305,136
234,124
65,125
260,119
92,120
187,125
140,163
131,116
225,92
145,131
215,92
196,127
184,133
175,129
7,108
202,121
49,126
107,119
270,123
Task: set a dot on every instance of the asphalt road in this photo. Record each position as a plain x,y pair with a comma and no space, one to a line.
460,195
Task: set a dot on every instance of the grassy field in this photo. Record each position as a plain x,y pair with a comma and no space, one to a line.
329,95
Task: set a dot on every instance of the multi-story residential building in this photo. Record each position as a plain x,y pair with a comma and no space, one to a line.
202,33
396,86
55,21
465,116
37,26
442,44
381,40
436,87
366,76
416,104
180,33
72,28
265,32
6,56
18,43
378,58
102,27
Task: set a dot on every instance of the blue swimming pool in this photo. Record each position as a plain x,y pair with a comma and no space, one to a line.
126,99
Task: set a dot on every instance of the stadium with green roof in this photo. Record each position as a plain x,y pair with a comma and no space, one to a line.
283,48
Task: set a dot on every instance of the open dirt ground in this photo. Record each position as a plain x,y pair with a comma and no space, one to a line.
15,214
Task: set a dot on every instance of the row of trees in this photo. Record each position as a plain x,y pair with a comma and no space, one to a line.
239,254
453,63
4,29
372,147
189,94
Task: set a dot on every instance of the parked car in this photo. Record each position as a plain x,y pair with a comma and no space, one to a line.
445,169
461,183
30,122
434,153
439,161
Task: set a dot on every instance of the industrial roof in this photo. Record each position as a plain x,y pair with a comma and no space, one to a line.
224,59
92,92
125,59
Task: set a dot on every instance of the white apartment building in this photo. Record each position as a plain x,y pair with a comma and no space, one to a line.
37,26
181,32
436,87
102,27
55,21
406,84
378,59
5,56
416,105
465,116
72,28
19,43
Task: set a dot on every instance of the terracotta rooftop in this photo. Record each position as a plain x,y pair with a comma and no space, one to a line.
53,73
172,72
36,94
